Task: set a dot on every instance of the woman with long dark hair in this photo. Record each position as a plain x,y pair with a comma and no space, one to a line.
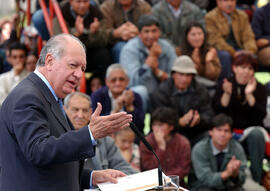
205,58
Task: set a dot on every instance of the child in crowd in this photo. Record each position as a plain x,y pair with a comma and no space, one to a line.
124,139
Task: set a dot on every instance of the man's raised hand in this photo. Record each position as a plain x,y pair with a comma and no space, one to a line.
102,126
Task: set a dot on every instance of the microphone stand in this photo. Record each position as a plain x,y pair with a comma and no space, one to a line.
150,148
160,182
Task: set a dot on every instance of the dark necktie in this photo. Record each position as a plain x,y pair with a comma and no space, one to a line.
219,159
60,102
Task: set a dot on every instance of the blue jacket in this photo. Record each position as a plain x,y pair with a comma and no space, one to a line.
133,56
102,96
261,23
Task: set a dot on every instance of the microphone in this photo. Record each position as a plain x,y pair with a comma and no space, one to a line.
150,148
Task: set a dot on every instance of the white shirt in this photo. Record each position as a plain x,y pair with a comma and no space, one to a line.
177,12
8,81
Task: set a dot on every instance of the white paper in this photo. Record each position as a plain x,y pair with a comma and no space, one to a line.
135,182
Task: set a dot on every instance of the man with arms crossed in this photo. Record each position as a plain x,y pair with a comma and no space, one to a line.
39,149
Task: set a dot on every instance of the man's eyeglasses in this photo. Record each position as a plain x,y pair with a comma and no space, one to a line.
121,79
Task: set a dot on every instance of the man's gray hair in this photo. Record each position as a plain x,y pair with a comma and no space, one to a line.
115,66
56,46
80,94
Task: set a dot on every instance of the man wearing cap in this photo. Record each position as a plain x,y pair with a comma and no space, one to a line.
188,97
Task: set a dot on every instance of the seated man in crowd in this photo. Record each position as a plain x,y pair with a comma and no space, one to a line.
172,148
18,72
5,54
188,97
147,58
219,161
7,36
261,27
31,61
230,32
78,108
121,18
115,97
86,22
174,15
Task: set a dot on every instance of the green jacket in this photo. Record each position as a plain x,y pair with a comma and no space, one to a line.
173,28
205,167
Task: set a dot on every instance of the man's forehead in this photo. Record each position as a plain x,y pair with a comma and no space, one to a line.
78,60
76,100
17,51
225,126
153,26
117,72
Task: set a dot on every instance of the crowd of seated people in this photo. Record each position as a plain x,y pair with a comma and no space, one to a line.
152,57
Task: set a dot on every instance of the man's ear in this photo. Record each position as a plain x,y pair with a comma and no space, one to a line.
126,82
106,81
139,35
65,108
210,132
171,127
233,68
49,61
158,32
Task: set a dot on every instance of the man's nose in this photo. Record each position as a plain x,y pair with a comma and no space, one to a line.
80,113
78,73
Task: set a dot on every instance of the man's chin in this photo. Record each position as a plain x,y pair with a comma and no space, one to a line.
69,90
79,124
77,127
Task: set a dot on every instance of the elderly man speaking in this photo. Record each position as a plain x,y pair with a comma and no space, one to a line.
39,149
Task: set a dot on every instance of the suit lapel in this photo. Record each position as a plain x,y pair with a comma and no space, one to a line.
55,108
59,115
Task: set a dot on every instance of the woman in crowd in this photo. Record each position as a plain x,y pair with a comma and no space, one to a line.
205,58
244,100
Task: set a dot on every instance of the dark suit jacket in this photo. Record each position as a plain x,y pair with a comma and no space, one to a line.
102,96
39,148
